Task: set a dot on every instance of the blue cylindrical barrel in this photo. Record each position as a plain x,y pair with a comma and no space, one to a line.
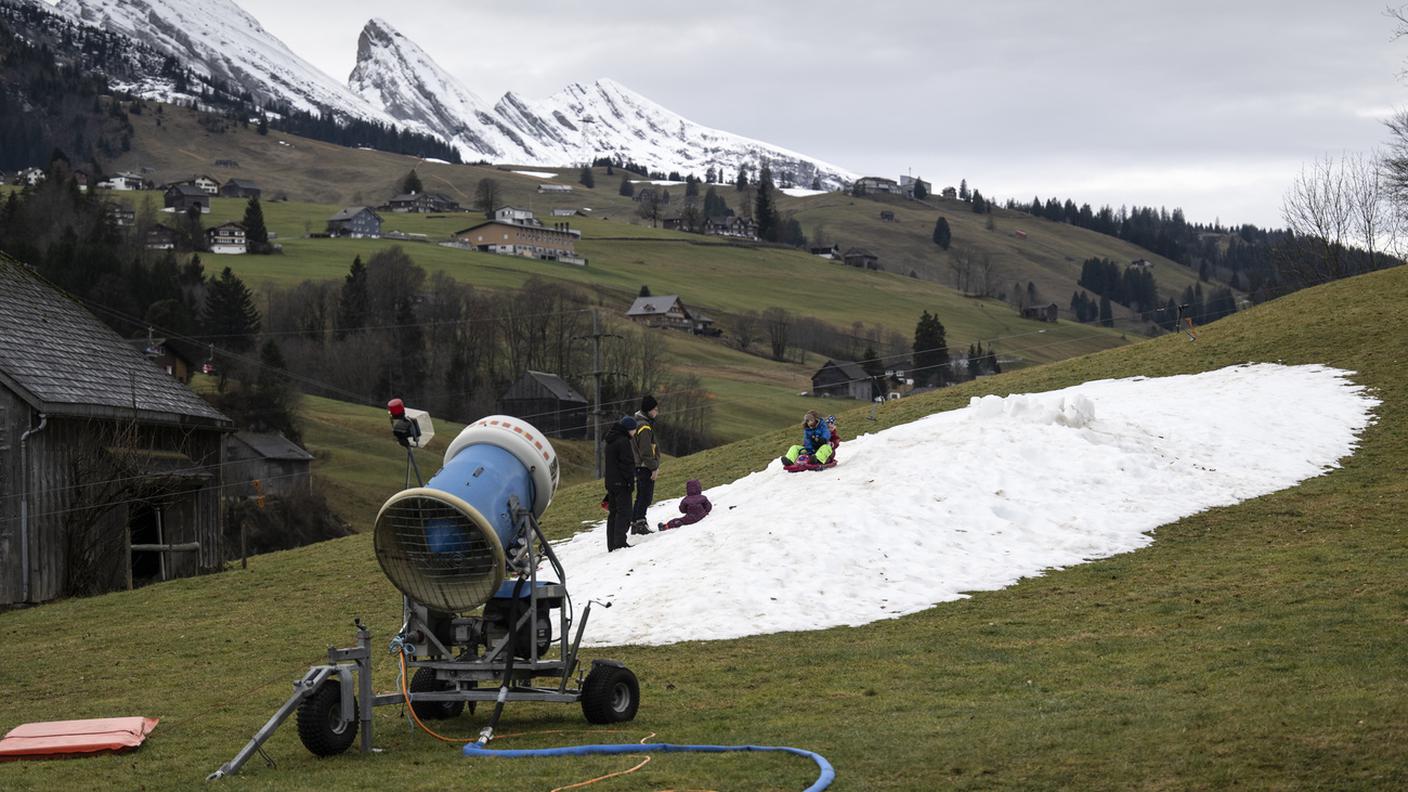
488,478
444,544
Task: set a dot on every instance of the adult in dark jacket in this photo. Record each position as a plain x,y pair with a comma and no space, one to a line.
647,462
619,467
695,505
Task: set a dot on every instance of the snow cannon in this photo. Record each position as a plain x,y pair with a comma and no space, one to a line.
447,544
468,537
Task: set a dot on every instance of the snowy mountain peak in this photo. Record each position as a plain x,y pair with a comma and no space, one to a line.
217,38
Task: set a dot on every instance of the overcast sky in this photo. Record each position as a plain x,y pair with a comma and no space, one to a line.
1211,106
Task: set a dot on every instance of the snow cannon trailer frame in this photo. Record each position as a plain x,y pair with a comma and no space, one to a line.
515,649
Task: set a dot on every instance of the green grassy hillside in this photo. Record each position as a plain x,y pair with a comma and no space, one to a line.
1259,645
174,145
1050,255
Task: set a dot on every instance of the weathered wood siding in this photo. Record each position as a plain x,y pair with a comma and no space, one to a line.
191,507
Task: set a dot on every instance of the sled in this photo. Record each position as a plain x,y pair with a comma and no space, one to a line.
804,463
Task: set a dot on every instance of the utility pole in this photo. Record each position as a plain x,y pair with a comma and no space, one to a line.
597,374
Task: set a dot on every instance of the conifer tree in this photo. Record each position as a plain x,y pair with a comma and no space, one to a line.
942,236
975,360
764,213
354,302
256,234
1107,317
930,351
627,189
585,177
963,190
229,313
411,184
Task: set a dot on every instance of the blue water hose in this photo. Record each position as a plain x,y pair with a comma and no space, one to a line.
828,773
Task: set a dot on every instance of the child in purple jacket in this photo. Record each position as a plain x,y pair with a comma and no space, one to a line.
695,507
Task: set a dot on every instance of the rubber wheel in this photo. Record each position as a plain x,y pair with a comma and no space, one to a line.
424,681
610,695
319,727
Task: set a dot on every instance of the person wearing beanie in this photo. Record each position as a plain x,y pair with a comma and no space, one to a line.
619,471
647,462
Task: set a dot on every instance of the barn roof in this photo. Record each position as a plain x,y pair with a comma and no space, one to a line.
554,384
653,306
272,445
852,371
349,212
60,359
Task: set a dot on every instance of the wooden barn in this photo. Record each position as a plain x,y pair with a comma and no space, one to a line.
549,403
844,379
111,469
277,463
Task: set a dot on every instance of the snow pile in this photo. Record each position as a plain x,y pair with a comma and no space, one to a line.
801,192
968,500
537,174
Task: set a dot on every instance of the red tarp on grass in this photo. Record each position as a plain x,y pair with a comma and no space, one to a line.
67,738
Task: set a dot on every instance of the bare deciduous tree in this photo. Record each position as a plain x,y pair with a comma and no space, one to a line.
1318,209
488,195
778,322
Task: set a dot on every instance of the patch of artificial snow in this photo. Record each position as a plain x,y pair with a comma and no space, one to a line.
801,192
537,174
968,500
661,182
435,160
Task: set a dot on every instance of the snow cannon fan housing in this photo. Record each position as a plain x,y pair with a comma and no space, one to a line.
445,545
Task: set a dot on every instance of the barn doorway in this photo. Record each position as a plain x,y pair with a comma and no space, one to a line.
144,528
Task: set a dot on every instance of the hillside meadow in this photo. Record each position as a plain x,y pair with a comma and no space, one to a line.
1259,645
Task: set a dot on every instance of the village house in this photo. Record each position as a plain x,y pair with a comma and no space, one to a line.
422,202
950,194
872,185
549,403
205,184
167,356
1142,264
356,222
512,214
665,310
555,243
862,258
731,226
82,178
240,188
181,197
910,185
831,251
227,238
123,182
1041,313
564,212
844,379
266,463
29,177
162,237
554,188
121,216
112,469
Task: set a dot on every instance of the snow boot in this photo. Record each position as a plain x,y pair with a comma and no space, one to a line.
640,527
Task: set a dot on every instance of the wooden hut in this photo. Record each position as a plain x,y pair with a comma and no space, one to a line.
549,403
110,467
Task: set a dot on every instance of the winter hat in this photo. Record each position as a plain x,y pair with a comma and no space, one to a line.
628,423
648,403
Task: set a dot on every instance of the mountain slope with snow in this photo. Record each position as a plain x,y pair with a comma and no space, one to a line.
397,77
578,124
968,500
217,38
396,82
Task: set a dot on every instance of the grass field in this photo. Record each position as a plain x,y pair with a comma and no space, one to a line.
1258,646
